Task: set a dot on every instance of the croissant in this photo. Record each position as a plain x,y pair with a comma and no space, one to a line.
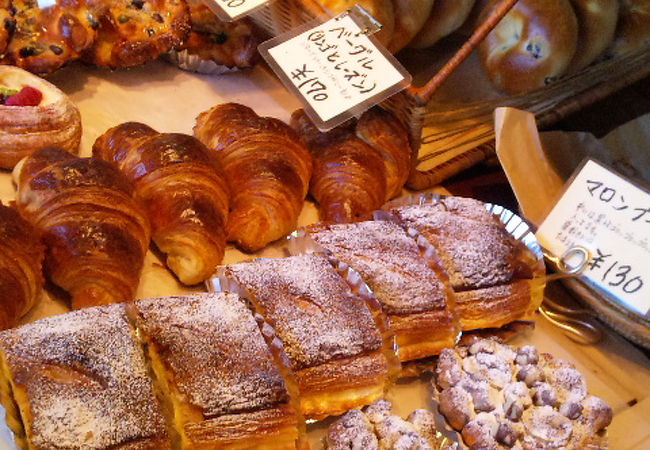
349,179
21,256
95,233
24,129
183,187
267,167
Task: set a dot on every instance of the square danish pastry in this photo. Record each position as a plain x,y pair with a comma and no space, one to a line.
222,384
496,278
412,287
79,380
339,348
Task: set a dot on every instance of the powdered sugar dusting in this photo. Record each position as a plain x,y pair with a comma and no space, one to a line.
312,308
388,260
86,380
215,350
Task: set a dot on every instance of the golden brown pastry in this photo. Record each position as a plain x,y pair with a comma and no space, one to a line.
7,24
507,397
45,39
55,120
227,44
410,17
132,32
496,279
215,369
183,187
349,180
531,46
339,351
382,131
596,27
267,167
413,289
21,257
633,29
382,10
95,233
79,380
445,17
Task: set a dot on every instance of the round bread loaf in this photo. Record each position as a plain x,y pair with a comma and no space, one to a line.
633,31
531,46
445,18
382,10
410,17
596,27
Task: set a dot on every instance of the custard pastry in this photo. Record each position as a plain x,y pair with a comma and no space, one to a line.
33,114
339,351
183,187
79,380
413,289
225,387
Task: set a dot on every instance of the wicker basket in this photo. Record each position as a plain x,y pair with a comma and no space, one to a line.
464,134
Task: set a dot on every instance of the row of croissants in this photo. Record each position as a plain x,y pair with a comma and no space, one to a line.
243,180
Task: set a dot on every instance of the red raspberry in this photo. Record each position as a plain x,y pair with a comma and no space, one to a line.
27,96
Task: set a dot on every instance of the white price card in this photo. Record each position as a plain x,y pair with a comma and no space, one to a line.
610,216
229,10
45,3
336,68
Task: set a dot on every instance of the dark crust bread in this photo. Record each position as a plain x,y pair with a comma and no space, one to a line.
132,32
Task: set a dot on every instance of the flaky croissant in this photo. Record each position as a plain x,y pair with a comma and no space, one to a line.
21,256
95,233
267,167
349,180
183,187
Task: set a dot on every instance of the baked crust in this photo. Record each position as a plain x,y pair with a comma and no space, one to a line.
327,331
596,27
80,381
25,129
225,385
446,17
632,32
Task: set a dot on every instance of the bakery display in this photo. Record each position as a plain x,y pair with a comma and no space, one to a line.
21,257
95,233
340,349
79,380
33,113
267,167
410,18
500,396
406,278
533,45
225,387
382,10
445,17
632,31
496,279
596,27
182,186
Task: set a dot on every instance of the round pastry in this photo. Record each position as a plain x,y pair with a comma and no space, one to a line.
410,17
34,114
633,31
596,27
382,10
445,18
531,46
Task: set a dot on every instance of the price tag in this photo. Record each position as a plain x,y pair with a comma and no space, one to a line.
609,216
336,68
229,10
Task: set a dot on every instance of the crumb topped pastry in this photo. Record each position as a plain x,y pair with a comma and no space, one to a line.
214,367
413,289
79,380
500,397
333,342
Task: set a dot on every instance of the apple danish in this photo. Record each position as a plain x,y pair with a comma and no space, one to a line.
21,256
267,168
79,380
95,233
225,387
340,352
182,185
33,114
